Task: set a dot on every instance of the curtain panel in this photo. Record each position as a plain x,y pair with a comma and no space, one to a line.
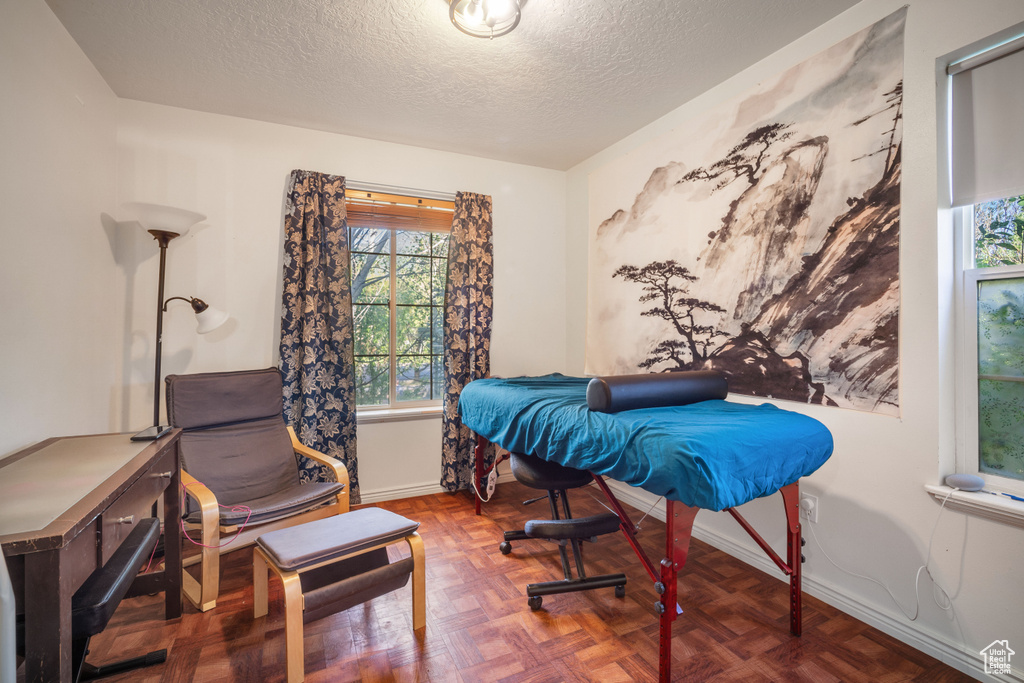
316,322
467,329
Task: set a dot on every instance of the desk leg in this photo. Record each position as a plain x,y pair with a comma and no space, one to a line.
48,618
678,529
172,542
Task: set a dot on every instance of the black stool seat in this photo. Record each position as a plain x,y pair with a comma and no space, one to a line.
531,471
577,527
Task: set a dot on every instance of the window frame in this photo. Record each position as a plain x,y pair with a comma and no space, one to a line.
968,276
395,409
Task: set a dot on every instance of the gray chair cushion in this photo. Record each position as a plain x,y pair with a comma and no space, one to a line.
313,542
241,462
294,499
216,398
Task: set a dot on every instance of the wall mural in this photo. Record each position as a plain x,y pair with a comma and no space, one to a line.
765,243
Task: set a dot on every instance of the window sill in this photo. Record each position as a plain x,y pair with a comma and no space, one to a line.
397,414
996,508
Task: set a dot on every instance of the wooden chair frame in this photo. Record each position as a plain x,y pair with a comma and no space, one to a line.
294,602
202,593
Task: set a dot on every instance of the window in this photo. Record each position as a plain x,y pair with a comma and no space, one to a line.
399,256
987,180
993,341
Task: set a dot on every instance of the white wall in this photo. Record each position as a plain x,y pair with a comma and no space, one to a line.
235,172
77,300
875,517
60,313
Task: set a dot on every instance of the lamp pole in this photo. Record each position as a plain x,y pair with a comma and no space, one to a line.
163,237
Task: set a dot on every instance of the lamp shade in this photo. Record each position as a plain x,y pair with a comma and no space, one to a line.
159,217
210,319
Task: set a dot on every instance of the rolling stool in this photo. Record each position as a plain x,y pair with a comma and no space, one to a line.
536,473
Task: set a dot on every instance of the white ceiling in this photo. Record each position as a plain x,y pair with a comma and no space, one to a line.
573,78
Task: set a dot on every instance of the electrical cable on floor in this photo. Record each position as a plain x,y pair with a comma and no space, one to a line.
937,590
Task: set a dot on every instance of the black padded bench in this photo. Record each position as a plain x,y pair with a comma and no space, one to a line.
94,603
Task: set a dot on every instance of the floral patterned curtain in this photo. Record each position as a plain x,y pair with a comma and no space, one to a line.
316,322
468,301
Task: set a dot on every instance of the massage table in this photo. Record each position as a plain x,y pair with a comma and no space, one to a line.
708,454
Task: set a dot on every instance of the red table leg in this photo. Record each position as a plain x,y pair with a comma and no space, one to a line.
678,529
791,499
481,446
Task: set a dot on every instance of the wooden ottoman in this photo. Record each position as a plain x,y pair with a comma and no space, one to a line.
332,564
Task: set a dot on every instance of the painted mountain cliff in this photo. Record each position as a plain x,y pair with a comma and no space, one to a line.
767,245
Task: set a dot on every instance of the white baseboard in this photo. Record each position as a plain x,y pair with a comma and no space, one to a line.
946,651
380,495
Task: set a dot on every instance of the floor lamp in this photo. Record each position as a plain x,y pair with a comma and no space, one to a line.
165,223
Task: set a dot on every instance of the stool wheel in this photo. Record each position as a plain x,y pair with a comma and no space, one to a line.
535,602
620,591
505,547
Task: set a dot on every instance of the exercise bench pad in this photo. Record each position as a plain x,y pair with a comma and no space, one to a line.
95,601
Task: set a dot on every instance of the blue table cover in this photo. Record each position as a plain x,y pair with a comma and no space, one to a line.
713,455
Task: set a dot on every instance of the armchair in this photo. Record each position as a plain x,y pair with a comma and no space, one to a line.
239,469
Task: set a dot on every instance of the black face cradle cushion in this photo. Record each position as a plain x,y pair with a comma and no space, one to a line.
631,392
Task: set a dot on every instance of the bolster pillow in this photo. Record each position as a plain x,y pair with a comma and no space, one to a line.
631,392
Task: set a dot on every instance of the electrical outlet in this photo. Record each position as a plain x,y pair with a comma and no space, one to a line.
809,507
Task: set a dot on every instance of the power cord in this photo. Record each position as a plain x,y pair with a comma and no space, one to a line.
492,478
937,591
233,508
492,482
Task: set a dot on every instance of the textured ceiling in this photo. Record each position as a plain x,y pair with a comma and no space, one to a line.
573,78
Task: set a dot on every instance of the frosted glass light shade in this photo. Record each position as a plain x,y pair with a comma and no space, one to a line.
485,18
210,319
159,217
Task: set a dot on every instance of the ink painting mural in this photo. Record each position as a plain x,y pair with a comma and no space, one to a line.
762,238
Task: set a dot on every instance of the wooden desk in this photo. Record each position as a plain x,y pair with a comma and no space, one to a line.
66,504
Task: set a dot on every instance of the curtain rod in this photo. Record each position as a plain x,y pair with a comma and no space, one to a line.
396,189
989,55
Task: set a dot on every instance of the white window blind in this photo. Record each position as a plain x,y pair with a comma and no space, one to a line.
987,160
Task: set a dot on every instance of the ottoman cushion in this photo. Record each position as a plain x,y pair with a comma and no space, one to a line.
307,544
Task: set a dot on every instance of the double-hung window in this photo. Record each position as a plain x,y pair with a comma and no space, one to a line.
399,252
987,178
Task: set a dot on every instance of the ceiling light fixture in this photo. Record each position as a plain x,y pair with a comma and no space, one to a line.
485,18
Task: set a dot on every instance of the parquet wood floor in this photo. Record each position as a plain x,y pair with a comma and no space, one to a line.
479,628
